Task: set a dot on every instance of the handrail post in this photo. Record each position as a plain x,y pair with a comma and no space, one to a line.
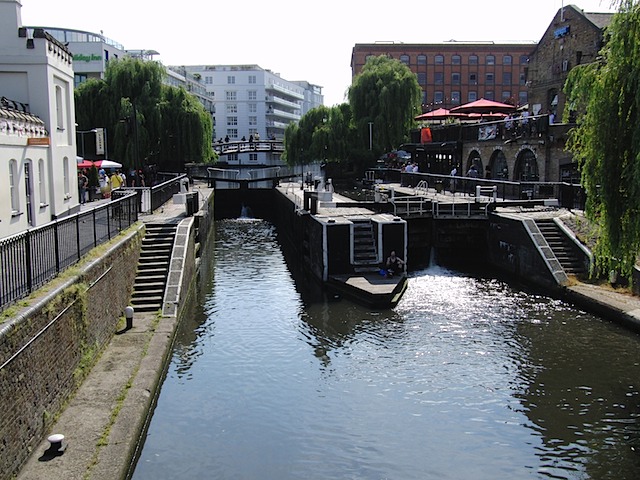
27,259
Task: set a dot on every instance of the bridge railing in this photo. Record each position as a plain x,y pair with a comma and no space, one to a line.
227,148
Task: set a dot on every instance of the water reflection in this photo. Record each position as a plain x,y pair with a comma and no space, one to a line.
465,378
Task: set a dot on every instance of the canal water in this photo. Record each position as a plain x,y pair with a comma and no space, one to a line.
467,378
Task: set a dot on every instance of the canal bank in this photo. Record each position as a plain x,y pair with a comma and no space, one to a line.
106,417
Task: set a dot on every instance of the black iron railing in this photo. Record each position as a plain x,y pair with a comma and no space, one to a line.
32,258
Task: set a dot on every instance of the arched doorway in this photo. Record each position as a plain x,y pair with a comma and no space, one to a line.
499,167
526,168
474,159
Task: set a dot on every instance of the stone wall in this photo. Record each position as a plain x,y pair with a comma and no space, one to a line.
48,347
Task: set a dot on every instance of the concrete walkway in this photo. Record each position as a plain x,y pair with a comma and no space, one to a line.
102,423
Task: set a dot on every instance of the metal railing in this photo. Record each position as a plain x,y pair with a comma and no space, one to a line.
152,198
30,259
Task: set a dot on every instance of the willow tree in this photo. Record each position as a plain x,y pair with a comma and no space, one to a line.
606,141
384,98
147,122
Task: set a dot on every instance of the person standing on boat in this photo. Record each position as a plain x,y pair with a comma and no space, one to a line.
394,264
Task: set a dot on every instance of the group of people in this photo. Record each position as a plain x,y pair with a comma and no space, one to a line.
108,182
411,167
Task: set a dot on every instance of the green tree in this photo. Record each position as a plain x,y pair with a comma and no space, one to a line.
606,141
386,95
147,122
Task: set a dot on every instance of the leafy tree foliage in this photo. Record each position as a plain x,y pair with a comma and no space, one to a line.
147,123
606,142
386,93
323,134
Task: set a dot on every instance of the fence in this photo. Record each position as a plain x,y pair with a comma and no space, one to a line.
32,258
152,198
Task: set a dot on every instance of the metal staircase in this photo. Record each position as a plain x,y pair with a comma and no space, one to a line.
562,247
153,267
365,255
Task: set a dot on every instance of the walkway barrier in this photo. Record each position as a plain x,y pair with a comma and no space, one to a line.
30,259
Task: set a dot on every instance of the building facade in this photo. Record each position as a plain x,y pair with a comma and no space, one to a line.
572,38
253,102
453,73
37,125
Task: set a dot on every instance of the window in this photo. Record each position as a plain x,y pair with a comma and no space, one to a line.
523,79
42,186
208,80
66,183
253,107
232,108
473,59
231,80
28,192
231,96
455,78
455,60
489,95
438,78
425,99
439,59
252,95
438,97
506,60
232,132
455,98
473,79
422,60
472,96
252,80
253,157
59,108
13,187
253,120
490,60
232,121
506,95
489,79
404,59
506,78
523,98
524,59
422,78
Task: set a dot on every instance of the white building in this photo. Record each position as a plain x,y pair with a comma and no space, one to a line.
38,177
253,102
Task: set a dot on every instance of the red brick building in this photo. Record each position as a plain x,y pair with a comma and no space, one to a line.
454,73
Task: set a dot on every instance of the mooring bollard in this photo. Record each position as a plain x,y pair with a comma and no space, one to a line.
128,313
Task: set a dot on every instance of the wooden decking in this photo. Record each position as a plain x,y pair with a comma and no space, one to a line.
371,289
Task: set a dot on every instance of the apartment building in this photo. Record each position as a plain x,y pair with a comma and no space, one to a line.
251,101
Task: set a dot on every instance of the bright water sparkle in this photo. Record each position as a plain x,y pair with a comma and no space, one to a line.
467,378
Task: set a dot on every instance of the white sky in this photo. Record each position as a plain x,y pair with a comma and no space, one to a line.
298,40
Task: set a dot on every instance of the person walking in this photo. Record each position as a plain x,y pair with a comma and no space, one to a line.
83,183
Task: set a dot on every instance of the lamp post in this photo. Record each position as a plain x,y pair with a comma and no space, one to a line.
370,136
82,133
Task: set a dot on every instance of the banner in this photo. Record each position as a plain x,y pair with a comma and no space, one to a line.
487,132
99,141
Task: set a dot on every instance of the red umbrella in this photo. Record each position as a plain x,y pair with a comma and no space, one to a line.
85,164
484,106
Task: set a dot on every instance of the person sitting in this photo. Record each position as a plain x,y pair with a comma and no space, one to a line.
394,264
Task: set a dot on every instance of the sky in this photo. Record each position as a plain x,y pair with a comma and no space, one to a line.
297,40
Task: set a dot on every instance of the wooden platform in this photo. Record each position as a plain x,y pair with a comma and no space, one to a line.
372,289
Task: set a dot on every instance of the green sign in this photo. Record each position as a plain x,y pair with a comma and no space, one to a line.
81,57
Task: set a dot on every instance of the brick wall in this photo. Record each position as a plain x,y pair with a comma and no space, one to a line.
47,348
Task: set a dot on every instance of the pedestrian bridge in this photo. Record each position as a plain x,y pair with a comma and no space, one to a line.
229,148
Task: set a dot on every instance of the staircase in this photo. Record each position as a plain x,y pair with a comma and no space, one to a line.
365,256
153,267
561,246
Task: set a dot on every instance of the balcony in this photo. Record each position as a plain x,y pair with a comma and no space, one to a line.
283,102
286,91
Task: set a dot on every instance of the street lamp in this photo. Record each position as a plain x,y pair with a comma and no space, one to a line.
370,135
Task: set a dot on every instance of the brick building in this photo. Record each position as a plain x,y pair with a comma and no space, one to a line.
572,38
453,73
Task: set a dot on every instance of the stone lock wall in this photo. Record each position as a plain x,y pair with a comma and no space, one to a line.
47,348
